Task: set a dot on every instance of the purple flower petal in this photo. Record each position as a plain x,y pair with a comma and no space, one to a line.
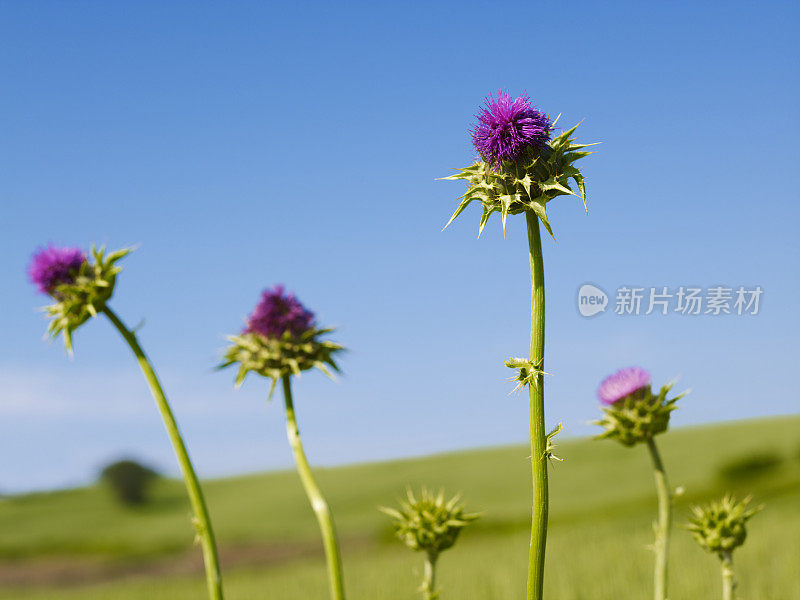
507,128
279,312
52,266
622,383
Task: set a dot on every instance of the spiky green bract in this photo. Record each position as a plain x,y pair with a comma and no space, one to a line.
428,522
528,372
285,355
86,295
639,416
719,527
527,185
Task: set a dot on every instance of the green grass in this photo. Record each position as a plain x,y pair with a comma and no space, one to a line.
603,503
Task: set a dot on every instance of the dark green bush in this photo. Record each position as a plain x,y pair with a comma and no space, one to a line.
750,466
129,480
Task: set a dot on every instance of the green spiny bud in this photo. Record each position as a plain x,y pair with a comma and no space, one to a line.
274,357
719,527
427,522
85,295
638,416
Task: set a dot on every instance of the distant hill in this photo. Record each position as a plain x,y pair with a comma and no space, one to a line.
82,544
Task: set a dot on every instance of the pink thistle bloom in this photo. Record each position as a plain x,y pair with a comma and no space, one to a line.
622,383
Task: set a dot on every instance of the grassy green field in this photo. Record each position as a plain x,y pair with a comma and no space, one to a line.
81,544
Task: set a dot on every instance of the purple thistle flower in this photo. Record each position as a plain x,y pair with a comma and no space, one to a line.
277,313
507,128
622,383
52,266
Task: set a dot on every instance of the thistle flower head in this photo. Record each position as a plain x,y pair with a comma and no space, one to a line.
508,128
280,339
428,522
632,412
719,527
278,312
520,168
80,285
51,266
622,383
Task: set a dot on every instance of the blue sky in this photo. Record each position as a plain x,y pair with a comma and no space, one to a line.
245,144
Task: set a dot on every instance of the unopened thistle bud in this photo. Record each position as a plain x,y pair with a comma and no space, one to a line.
719,527
428,522
280,338
81,287
633,413
519,167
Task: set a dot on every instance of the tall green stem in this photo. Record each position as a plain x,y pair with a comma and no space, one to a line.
662,528
318,503
429,580
201,520
728,577
536,408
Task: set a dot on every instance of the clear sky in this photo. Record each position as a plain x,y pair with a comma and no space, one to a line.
245,144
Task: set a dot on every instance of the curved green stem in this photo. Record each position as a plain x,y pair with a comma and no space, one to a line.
429,580
536,408
728,577
662,527
201,520
318,503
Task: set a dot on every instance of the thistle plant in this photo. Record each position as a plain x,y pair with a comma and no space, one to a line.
521,167
633,415
428,523
81,287
719,528
280,340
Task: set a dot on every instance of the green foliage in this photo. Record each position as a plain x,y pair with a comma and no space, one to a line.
528,372
428,522
719,526
86,295
527,186
601,511
638,417
750,466
129,480
276,357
